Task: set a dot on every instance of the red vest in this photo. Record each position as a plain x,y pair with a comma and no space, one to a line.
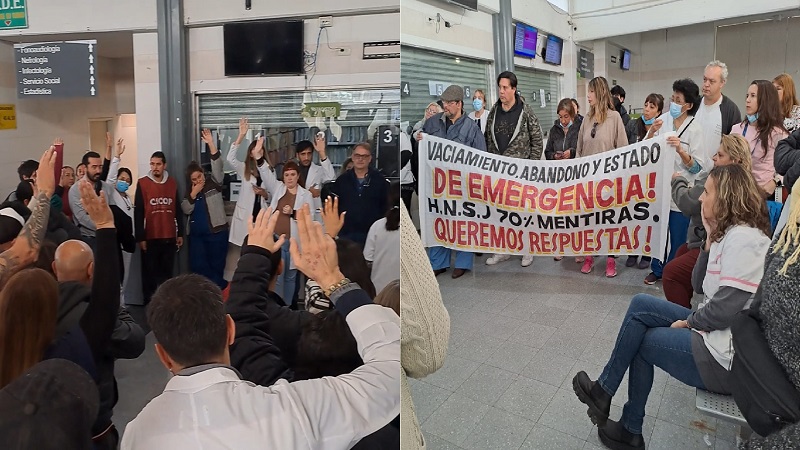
160,201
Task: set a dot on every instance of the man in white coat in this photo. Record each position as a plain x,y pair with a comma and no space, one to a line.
207,404
313,175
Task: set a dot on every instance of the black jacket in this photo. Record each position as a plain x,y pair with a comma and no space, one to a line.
285,326
557,141
253,352
362,209
96,310
787,159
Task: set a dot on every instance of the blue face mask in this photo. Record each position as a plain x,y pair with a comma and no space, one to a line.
752,117
675,110
569,124
122,186
648,122
477,104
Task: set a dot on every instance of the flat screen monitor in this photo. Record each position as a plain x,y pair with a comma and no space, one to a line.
553,51
263,48
625,60
525,40
472,5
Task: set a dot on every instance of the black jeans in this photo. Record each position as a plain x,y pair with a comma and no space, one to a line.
406,192
157,265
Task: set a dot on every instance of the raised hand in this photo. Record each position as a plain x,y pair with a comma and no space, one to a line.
208,138
261,232
244,125
258,150
120,147
331,218
96,206
45,176
318,259
319,145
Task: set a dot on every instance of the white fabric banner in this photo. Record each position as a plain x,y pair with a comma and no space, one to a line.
613,203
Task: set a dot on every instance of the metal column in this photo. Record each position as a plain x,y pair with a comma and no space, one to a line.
173,85
503,25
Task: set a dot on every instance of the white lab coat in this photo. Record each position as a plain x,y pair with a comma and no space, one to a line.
244,205
214,409
318,174
277,190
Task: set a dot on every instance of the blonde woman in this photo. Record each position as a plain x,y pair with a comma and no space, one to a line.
431,110
790,106
677,276
692,346
602,130
479,105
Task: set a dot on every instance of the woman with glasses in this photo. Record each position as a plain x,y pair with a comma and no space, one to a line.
601,130
690,161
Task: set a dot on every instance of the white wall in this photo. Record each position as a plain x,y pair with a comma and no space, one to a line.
207,57
597,19
39,121
205,12
81,16
148,112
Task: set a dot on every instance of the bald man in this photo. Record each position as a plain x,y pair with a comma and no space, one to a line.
74,269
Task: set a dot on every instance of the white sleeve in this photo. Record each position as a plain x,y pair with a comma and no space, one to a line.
742,262
113,168
372,236
337,412
271,182
231,157
328,173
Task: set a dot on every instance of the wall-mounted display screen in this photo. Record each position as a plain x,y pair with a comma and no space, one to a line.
525,40
263,48
554,49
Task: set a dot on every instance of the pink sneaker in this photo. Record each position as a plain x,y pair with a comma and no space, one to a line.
611,267
588,264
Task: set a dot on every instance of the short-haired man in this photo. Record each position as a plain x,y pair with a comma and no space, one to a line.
618,95
512,130
158,224
717,113
363,194
193,336
454,125
94,170
25,172
313,175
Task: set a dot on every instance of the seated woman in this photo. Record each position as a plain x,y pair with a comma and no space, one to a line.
693,347
678,272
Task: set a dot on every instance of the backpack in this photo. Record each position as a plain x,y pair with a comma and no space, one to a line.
765,396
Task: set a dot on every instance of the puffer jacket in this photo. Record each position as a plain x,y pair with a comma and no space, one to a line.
464,130
558,141
526,142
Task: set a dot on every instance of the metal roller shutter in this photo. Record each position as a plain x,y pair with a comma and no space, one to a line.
279,117
529,84
419,67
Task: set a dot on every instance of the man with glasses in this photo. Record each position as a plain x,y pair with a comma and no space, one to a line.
512,130
717,113
456,126
363,194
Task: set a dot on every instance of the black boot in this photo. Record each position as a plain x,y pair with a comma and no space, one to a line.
616,437
590,393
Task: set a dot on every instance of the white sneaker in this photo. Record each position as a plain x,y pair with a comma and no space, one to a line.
494,259
527,261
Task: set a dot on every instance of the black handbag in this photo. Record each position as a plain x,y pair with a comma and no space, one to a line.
764,394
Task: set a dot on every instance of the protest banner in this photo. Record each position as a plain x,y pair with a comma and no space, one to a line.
613,203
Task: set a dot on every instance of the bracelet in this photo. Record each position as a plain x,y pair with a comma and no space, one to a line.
335,287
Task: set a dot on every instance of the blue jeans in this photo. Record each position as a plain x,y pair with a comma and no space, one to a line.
207,256
678,230
646,340
286,280
440,258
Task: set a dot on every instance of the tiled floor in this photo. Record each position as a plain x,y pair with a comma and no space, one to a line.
518,336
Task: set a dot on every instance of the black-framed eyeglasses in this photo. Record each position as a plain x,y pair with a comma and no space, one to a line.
594,129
